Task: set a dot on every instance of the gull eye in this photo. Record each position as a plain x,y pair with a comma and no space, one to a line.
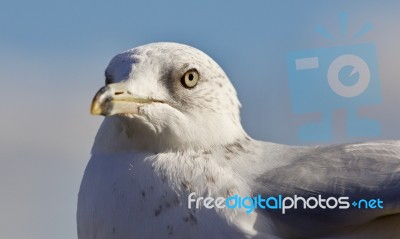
190,78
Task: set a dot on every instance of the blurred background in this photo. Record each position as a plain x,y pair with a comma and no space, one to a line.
52,60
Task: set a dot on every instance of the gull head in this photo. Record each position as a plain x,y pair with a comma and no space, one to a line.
163,97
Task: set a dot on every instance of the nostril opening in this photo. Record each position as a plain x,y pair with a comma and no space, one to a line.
118,93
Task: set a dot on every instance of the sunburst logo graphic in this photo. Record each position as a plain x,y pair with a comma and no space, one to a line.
343,25
327,79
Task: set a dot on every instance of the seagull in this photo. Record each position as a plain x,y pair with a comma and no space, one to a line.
172,130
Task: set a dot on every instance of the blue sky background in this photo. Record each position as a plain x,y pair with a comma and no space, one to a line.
52,58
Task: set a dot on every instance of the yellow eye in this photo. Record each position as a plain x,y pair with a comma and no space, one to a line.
190,78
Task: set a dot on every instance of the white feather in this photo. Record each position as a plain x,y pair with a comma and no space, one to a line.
144,166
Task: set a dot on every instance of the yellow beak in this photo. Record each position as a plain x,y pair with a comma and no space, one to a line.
116,99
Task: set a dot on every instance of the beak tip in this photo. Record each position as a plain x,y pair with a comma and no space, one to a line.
95,109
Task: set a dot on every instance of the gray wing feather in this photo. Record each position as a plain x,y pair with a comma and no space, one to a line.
363,170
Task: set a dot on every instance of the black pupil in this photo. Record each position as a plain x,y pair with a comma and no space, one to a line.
190,77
